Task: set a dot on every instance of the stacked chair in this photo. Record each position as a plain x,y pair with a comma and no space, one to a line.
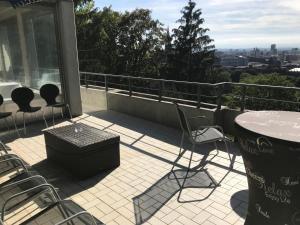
20,185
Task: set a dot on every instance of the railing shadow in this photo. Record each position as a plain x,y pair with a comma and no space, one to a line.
162,133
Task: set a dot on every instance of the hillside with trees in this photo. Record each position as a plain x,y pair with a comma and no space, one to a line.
136,44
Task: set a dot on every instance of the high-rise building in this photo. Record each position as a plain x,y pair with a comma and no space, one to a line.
273,49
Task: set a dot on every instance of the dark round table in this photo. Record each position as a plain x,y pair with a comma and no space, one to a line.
270,146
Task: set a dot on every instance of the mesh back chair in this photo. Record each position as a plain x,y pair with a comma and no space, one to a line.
24,188
18,195
22,97
49,93
5,115
203,135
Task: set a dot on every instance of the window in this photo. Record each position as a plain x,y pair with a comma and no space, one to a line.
28,48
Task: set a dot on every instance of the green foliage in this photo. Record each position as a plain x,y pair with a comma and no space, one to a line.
194,53
133,43
236,76
139,40
264,98
219,76
118,43
273,79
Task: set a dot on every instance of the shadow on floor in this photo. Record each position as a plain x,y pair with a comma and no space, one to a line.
32,129
235,201
163,133
155,197
67,184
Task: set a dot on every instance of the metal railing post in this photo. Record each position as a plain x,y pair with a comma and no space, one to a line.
219,96
85,80
198,96
129,87
106,82
160,90
243,103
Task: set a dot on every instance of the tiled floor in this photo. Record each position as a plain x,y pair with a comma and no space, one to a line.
142,190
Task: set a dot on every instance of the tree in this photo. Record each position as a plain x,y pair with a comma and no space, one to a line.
236,76
119,43
139,40
219,76
97,31
194,53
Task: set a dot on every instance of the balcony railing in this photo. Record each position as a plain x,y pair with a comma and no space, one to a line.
234,95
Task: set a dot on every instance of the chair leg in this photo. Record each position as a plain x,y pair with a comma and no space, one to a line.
24,124
216,146
179,154
186,175
61,113
69,110
15,124
43,114
227,149
6,123
53,122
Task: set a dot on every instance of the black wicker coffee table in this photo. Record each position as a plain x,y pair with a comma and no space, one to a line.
82,150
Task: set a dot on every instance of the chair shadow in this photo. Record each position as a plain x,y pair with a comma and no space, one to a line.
155,197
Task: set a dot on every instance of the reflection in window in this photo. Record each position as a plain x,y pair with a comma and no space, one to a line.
28,48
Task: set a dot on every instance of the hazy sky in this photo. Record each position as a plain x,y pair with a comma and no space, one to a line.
232,23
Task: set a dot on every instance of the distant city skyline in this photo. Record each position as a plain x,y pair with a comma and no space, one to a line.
233,24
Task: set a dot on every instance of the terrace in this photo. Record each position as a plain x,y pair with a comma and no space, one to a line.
140,191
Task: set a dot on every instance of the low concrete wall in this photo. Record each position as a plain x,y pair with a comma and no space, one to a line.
159,112
93,99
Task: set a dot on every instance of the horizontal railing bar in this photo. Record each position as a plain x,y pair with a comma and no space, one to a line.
247,97
148,79
271,99
192,83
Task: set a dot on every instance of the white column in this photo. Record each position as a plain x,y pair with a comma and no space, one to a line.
69,55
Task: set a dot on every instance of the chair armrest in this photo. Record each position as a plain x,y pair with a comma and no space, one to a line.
76,216
12,160
46,186
24,181
8,155
4,148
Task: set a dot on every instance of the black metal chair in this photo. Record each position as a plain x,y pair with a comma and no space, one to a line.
49,93
203,135
5,115
22,97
